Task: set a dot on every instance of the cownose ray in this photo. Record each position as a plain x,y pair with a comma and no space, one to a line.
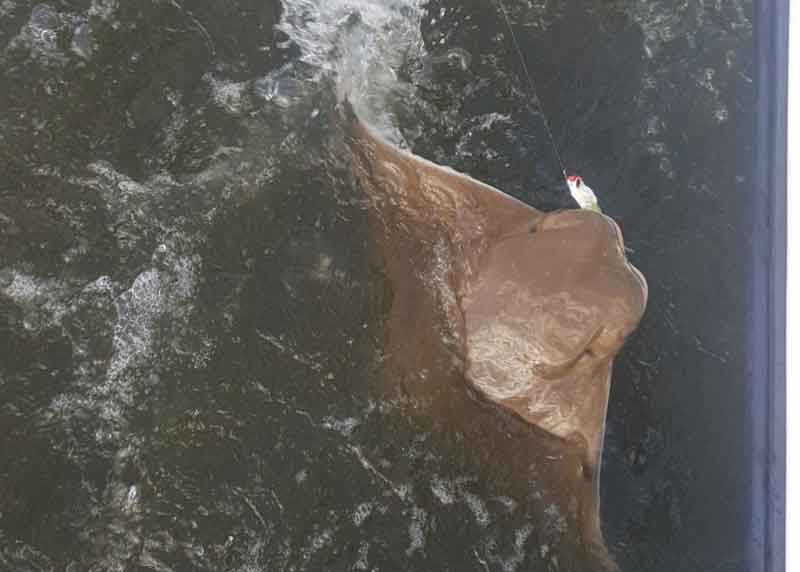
533,306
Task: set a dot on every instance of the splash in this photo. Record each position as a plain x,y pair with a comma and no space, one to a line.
359,45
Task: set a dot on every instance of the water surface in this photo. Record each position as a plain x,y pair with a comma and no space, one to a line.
191,302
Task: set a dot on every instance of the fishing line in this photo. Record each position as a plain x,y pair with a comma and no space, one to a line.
532,87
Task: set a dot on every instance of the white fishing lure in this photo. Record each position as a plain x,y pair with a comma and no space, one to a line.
582,194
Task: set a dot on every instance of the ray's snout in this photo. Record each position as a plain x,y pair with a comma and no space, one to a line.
546,317
597,249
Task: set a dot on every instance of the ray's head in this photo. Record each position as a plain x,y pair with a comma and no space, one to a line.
551,310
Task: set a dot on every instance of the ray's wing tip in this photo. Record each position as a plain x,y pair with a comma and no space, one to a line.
644,290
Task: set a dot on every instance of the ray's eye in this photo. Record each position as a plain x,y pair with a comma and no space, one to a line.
578,181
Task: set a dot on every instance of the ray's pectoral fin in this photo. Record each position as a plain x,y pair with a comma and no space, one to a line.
546,300
465,209
543,322
545,319
539,304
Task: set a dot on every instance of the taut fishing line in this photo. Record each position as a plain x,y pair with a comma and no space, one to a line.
532,86
582,194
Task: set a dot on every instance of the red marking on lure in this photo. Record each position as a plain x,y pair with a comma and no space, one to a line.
575,179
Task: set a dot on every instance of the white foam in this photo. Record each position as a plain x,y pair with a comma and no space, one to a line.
134,319
344,426
153,293
137,310
320,541
128,201
363,552
521,535
226,94
443,490
6,6
40,35
362,513
41,300
416,530
554,520
361,44
478,508
104,9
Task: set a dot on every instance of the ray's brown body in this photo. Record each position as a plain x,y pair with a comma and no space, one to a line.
529,308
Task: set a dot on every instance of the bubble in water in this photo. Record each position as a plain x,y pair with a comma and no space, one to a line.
362,513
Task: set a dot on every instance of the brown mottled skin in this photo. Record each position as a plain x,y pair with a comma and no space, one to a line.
529,308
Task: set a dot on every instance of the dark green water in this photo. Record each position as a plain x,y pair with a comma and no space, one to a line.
191,304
